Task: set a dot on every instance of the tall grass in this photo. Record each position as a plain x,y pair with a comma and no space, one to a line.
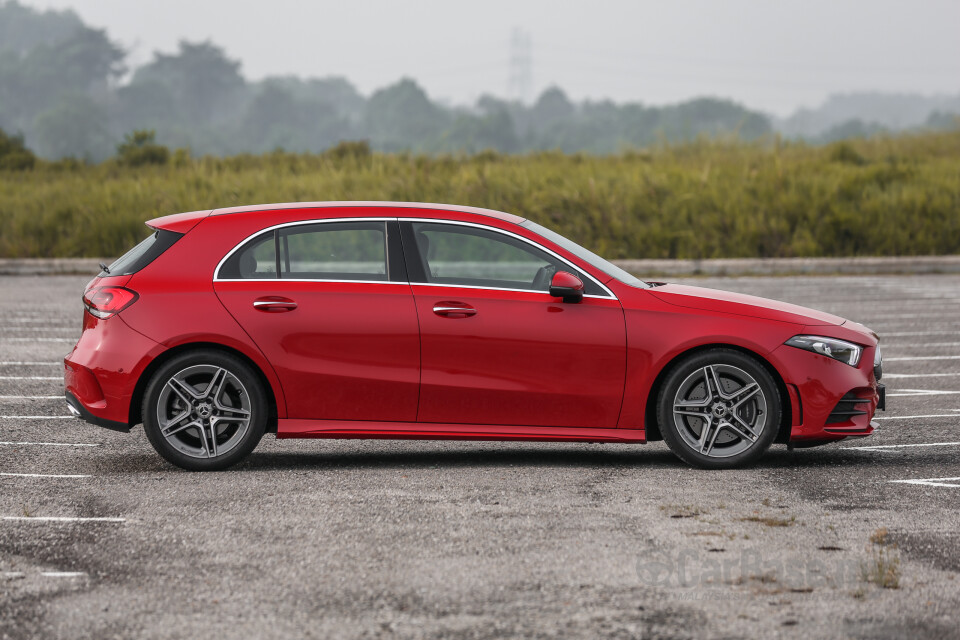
708,199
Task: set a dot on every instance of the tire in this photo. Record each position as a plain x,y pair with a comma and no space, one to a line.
204,410
741,420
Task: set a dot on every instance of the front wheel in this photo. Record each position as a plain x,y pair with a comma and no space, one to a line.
719,409
204,410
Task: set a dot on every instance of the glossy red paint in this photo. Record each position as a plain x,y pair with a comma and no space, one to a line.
394,360
523,358
567,280
703,299
349,351
102,370
440,431
179,222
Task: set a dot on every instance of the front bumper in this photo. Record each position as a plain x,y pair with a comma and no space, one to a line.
835,400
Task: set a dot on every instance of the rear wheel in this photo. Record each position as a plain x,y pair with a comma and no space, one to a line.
719,409
204,410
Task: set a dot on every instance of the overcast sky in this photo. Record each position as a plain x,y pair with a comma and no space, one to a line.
774,55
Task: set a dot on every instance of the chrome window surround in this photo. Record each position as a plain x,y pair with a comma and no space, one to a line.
217,278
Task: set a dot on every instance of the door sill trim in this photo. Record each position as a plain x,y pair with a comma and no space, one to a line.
345,429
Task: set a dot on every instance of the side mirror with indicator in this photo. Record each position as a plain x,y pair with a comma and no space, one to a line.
567,286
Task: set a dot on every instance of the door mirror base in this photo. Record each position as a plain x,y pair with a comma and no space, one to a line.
567,286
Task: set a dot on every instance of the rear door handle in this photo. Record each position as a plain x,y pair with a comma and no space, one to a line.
274,304
454,309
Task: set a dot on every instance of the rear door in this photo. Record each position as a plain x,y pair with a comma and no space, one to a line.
496,348
329,304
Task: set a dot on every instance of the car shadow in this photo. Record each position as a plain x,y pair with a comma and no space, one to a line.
638,457
634,457
519,457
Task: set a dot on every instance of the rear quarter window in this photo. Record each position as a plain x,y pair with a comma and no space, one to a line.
151,248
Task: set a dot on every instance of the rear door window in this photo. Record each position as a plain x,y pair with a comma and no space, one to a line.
334,251
320,251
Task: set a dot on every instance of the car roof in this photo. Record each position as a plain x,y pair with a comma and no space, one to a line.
372,204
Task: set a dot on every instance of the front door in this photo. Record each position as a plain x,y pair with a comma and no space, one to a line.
332,315
496,348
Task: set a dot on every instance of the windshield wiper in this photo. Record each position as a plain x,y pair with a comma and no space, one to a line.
105,268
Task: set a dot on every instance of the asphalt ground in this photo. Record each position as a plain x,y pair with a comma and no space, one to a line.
354,538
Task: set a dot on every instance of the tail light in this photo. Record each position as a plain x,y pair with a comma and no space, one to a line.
103,302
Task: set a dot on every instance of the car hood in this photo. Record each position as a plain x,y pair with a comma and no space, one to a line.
741,304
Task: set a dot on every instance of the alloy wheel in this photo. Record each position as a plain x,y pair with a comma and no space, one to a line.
720,411
203,411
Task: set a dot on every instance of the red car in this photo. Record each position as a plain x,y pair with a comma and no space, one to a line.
404,320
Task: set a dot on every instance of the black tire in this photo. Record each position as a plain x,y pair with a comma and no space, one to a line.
191,447
751,426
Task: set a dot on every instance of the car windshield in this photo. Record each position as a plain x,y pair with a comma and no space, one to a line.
587,256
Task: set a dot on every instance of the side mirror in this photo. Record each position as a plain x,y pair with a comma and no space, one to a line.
567,286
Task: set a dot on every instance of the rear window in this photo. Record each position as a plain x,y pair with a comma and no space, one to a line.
151,248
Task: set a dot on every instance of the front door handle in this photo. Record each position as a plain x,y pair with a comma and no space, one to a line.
274,304
454,310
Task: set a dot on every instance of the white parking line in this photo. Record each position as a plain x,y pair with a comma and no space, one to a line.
921,375
887,334
914,358
49,397
920,345
31,377
40,328
40,339
932,482
885,447
929,415
42,475
46,574
58,519
906,393
47,444
20,363
36,417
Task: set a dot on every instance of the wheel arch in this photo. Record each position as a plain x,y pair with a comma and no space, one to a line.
136,401
651,424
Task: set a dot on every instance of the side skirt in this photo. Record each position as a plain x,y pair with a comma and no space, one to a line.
292,428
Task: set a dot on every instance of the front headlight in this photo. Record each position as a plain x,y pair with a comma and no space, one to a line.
841,350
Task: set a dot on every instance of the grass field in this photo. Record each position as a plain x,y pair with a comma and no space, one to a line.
709,199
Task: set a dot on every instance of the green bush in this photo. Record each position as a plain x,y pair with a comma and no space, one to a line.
706,199
140,148
14,156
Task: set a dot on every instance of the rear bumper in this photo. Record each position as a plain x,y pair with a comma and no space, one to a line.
81,412
102,370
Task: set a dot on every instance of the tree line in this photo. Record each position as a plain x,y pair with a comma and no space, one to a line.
67,89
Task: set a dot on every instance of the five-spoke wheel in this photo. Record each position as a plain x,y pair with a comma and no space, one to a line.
204,410
719,408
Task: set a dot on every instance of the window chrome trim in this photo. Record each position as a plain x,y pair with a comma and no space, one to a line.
469,286
404,283
216,271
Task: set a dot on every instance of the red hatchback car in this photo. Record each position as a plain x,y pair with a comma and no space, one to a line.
405,320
